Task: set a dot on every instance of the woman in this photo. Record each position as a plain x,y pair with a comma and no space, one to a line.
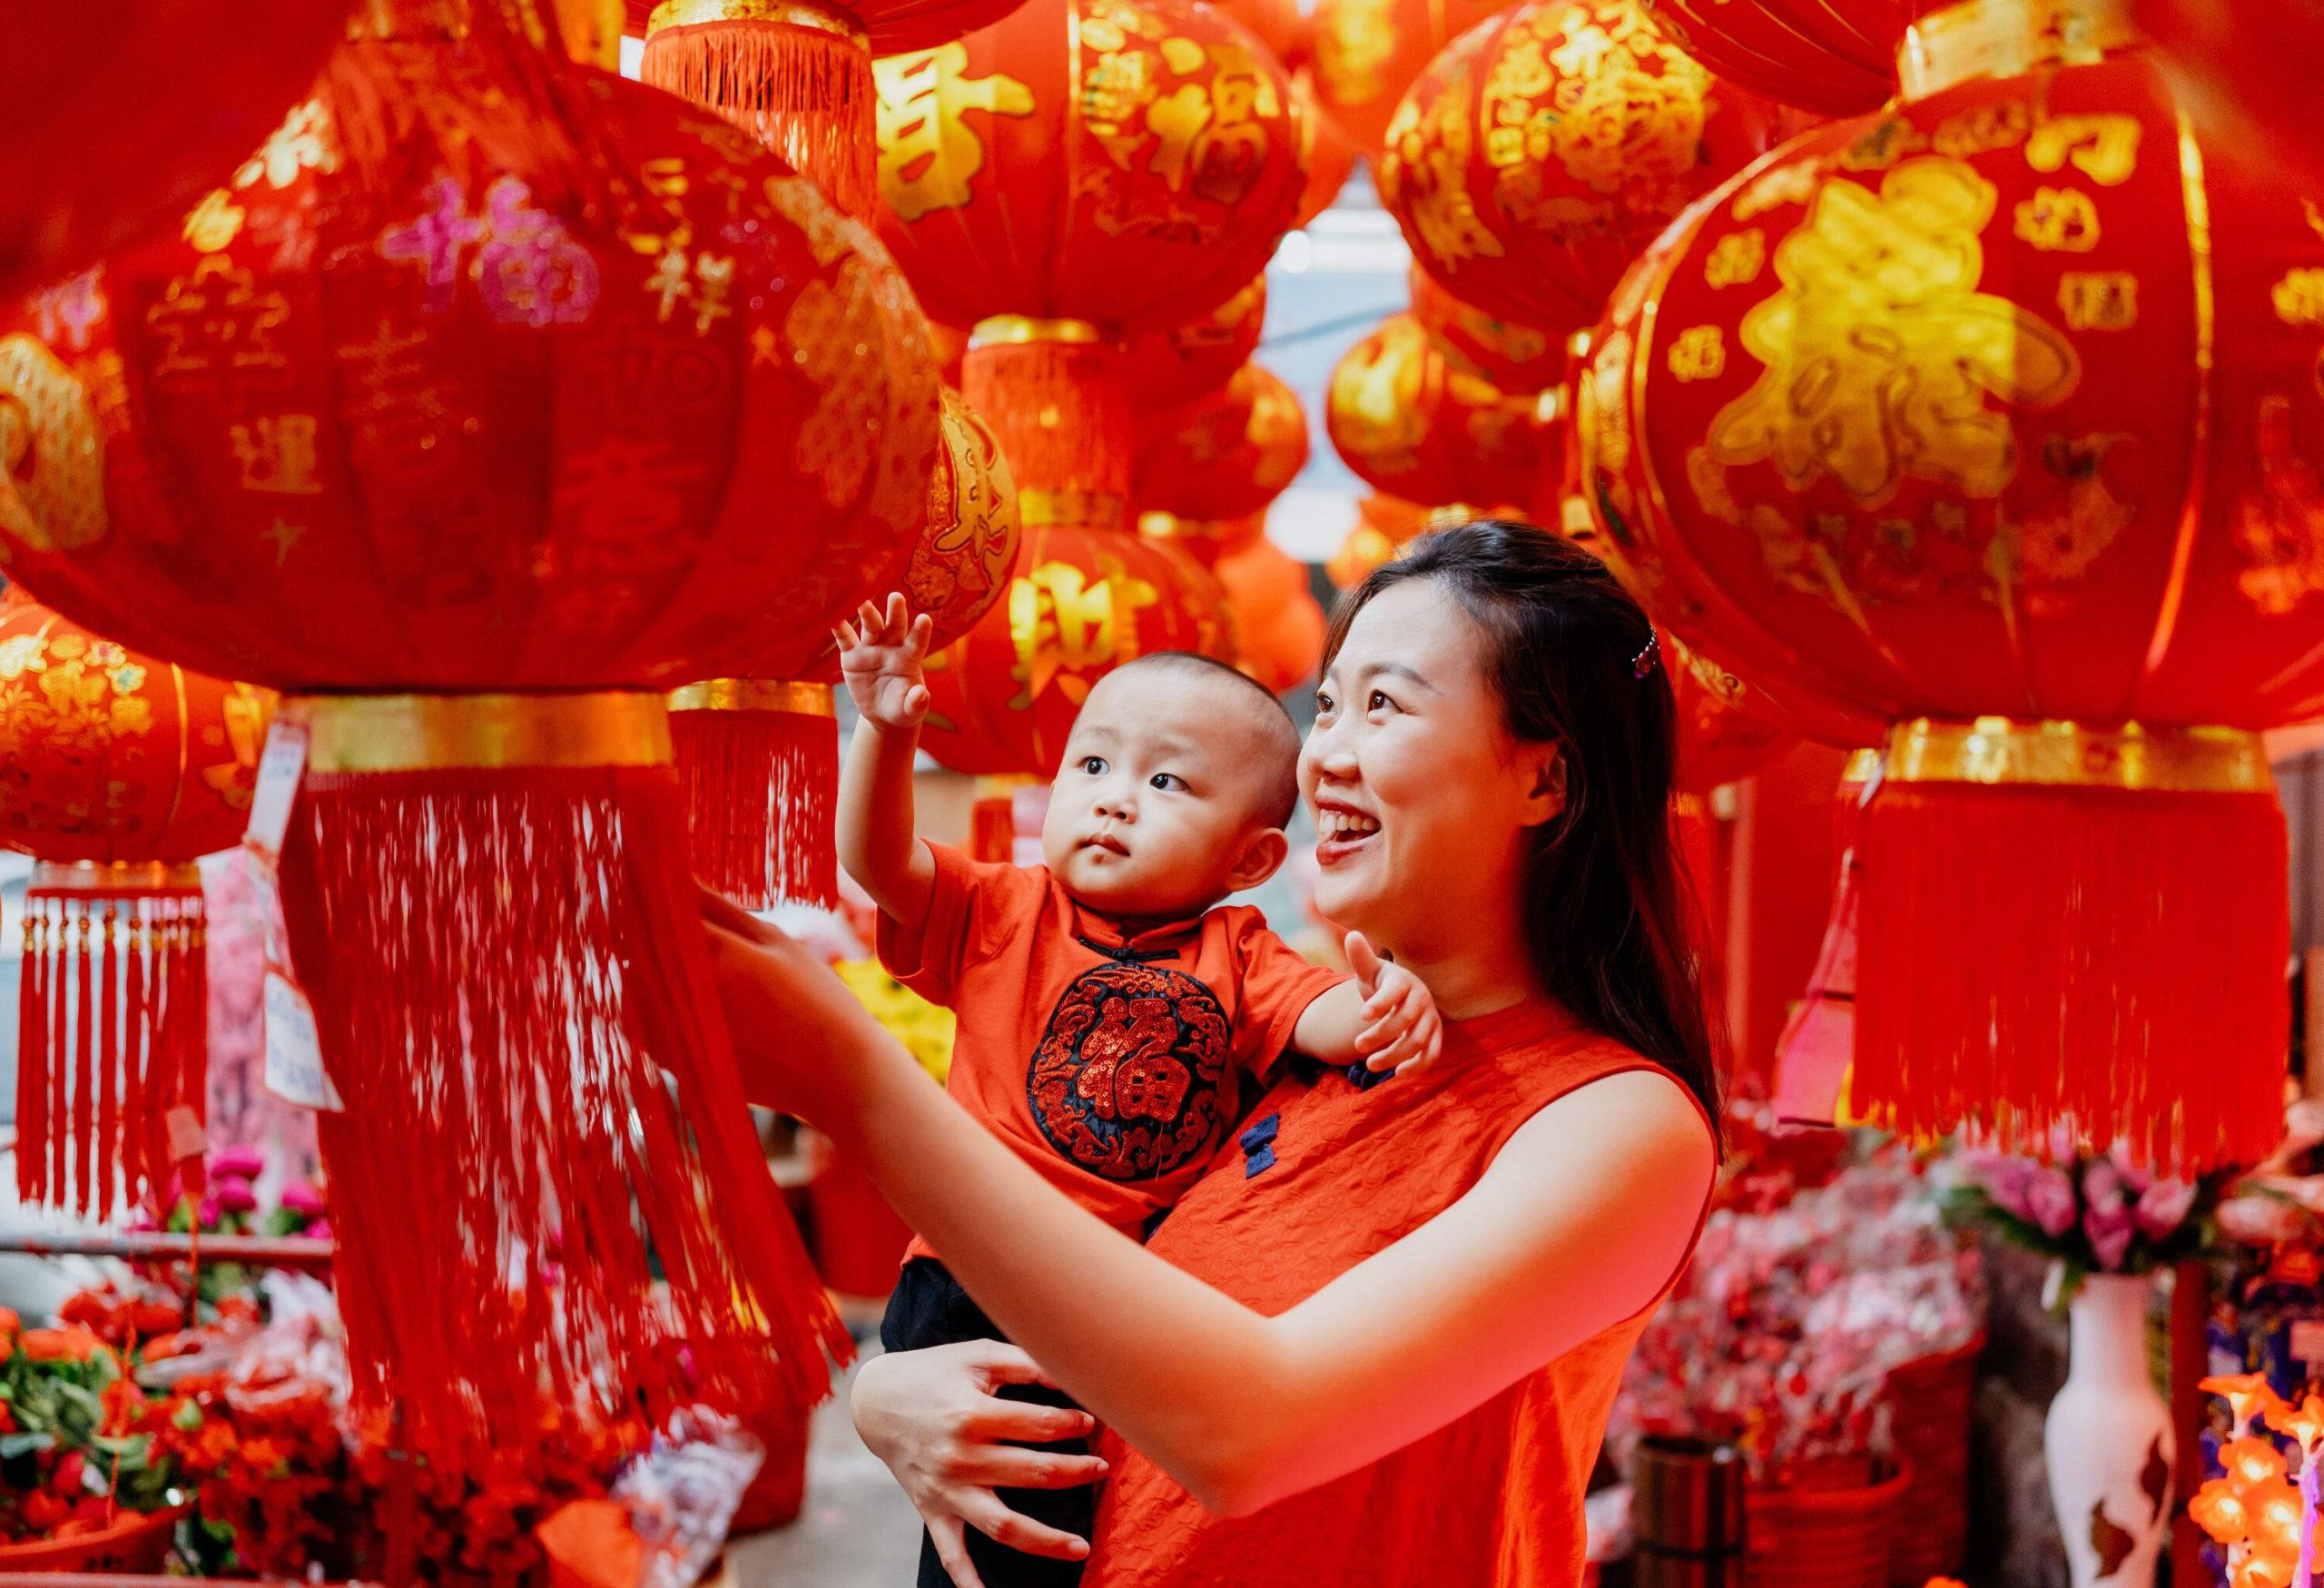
1378,1344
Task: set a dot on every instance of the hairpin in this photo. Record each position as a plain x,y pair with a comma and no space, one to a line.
1644,662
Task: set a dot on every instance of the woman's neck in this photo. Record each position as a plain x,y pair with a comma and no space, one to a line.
1473,963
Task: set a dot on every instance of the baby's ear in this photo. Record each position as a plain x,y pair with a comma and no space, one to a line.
1264,853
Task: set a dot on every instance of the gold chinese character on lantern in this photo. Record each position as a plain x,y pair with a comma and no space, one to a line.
1063,622
2104,148
2099,300
277,453
1736,259
2300,296
2058,220
1698,353
929,154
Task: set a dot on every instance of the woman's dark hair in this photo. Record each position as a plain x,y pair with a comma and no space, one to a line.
1609,919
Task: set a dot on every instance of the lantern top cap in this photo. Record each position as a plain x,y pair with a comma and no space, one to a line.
822,18
2008,38
1016,329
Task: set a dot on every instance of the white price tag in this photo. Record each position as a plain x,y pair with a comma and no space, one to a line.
294,1053
280,768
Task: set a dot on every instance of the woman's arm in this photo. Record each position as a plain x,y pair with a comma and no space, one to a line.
1579,1223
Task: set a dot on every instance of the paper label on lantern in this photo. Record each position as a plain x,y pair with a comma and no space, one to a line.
280,768
2308,1340
294,1053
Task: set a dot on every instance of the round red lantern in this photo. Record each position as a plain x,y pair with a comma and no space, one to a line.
1227,454
1367,53
1836,57
1537,155
1329,157
480,408
1278,624
1166,368
117,772
121,115
1993,421
1513,356
1422,423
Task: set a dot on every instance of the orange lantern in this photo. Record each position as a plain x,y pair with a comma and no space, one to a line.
1276,23
1542,151
1167,369
1225,455
1836,57
1367,53
1384,523
117,772
1328,155
1420,422
121,115
481,408
1994,420
1278,624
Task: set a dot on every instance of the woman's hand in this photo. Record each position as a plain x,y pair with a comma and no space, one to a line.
803,1042
934,1417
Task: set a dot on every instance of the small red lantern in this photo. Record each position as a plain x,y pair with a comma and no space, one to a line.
1167,369
1993,419
1422,423
1225,455
117,772
120,114
1367,53
1278,624
1836,57
1537,155
1386,523
1513,356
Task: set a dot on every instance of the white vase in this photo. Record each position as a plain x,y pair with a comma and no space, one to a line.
2109,1441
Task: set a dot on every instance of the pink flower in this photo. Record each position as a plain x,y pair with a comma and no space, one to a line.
2164,1206
2103,1188
2110,1235
318,1230
2004,1179
303,1198
2050,1200
234,1197
238,1163
205,1213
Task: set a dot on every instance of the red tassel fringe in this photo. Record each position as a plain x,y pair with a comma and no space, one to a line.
1059,412
543,1114
2105,962
112,1034
803,92
762,792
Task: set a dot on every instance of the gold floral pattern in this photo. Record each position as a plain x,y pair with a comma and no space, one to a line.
52,451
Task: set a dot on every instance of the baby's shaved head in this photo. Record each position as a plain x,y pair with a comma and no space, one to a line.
1247,707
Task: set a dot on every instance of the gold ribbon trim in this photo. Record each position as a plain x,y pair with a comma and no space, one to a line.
118,877
427,732
783,13
2007,38
1038,509
1997,751
1860,765
1016,329
783,695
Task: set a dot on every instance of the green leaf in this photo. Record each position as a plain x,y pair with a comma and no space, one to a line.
13,1445
187,1417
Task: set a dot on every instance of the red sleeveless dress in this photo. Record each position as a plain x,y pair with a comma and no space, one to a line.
1328,1173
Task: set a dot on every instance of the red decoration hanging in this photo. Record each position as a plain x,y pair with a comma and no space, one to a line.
1329,157
1225,455
1418,421
121,114
1278,624
1168,369
1994,419
1367,53
1540,151
1836,57
117,772
475,386
1513,356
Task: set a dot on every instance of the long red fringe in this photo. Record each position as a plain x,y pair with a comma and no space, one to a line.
113,1033
762,792
543,1115
1059,411
803,92
2107,962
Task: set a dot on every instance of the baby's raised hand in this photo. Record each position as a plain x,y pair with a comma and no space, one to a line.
880,656
1406,1033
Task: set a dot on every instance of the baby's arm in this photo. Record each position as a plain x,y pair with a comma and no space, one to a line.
880,656
1385,1016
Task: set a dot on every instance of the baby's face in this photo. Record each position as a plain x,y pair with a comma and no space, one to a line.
1160,795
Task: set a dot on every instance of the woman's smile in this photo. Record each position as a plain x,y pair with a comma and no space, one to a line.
1341,831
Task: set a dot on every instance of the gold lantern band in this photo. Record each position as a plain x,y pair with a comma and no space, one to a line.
783,695
1091,510
117,878
2003,752
784,13
2007,38
1860,765
424,732
1016,329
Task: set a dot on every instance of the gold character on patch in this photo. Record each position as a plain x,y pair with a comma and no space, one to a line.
929,154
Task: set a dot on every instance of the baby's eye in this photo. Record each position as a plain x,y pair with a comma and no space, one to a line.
1093,766
1168,780
1323,704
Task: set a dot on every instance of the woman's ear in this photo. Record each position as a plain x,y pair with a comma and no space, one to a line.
1263,854
1543,769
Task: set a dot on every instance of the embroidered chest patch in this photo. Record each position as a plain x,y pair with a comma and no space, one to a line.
1128,1077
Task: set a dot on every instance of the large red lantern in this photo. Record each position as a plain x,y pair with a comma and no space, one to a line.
1837,57
117,772
1537,155
1168,367
1225,455
1367,53
1420,422
457,418
1993,421
121,114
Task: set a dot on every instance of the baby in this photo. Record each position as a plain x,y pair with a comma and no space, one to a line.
1112,1015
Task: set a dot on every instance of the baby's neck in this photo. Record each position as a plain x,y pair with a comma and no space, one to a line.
1133,925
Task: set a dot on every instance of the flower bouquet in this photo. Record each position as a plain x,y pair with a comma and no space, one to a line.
230,1204
2091,1215
75,1465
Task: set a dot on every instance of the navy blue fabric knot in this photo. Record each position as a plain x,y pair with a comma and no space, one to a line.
1258,1145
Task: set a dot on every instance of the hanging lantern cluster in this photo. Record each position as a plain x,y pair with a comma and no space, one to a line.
1417,420
476,384
1880,423
1225,455
1366,53
1836,57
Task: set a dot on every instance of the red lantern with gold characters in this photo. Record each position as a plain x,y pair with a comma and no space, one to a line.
1224,454
1168,367
1420,422
474,385
1836,57
117,772
1537,155
1367,53
1994,421
1513,356
120,114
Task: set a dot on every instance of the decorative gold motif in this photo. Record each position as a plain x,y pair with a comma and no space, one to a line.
786,12
70,694
1354,42
52,451
2099,300
1698,353
1038,509
828,329
1206,138
788,696
217,327
212,224
302,143
116,879
929,154
277,453
1064,623
1003,331
2007,38
419,733
1428,157
2000,752
2299,298
2058,220
1881,354
2104,148
2279,523
1998,124
1736,259
1792,183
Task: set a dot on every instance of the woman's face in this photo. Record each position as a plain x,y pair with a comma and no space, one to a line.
1422,797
